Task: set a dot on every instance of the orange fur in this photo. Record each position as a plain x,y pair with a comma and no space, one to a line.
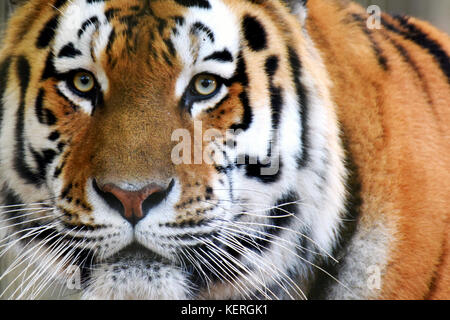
398,140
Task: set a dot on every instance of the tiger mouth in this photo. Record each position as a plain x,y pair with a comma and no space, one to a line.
136,252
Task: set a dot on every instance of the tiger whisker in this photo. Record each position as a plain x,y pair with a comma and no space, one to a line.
221,252
242,265
216,272
52,277
232,233
54,251
25,222
290,230
18,261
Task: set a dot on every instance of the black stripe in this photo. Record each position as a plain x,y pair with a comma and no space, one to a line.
433,47
248,113
218,104
111,13
179,20
47,33
194,3
4,78
59,3
198,26
170,46
254,33
242,77
276,93
407,58
91,21
44,115
302,102
55,135
382,60
111,39
66,191
23,73
420,38
43,159
69,51
221,56
49,69
254,168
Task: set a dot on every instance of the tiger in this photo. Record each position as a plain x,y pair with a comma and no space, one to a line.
223,149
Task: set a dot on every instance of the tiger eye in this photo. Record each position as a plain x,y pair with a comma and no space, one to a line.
205,84
83,82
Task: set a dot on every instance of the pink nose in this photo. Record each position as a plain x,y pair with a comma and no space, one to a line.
132,200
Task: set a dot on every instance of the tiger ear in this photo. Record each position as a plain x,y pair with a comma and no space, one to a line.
298,8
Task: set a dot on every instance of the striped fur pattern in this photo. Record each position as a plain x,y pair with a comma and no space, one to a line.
300,187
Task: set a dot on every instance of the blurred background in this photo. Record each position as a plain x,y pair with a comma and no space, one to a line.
435,11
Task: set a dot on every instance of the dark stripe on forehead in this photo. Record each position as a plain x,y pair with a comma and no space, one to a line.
91,21
200,27
194,3
302,103
69,51
47,33
4,70
220,56
254,32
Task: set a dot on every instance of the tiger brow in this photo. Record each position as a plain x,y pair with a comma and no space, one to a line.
220,56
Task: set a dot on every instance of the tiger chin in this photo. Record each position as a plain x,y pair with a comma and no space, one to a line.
223,149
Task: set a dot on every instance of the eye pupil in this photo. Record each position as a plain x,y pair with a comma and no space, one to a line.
85,80
206,85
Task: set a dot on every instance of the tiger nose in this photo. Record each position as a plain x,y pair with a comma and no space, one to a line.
133,205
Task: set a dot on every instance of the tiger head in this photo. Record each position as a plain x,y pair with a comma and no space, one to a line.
168,149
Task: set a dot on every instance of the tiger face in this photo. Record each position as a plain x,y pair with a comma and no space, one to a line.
168,149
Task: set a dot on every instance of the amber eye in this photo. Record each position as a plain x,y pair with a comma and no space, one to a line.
205,84
83,81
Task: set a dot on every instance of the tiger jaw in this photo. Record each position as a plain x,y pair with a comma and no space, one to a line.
136,273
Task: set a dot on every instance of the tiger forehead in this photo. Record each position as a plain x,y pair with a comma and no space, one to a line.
143,26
